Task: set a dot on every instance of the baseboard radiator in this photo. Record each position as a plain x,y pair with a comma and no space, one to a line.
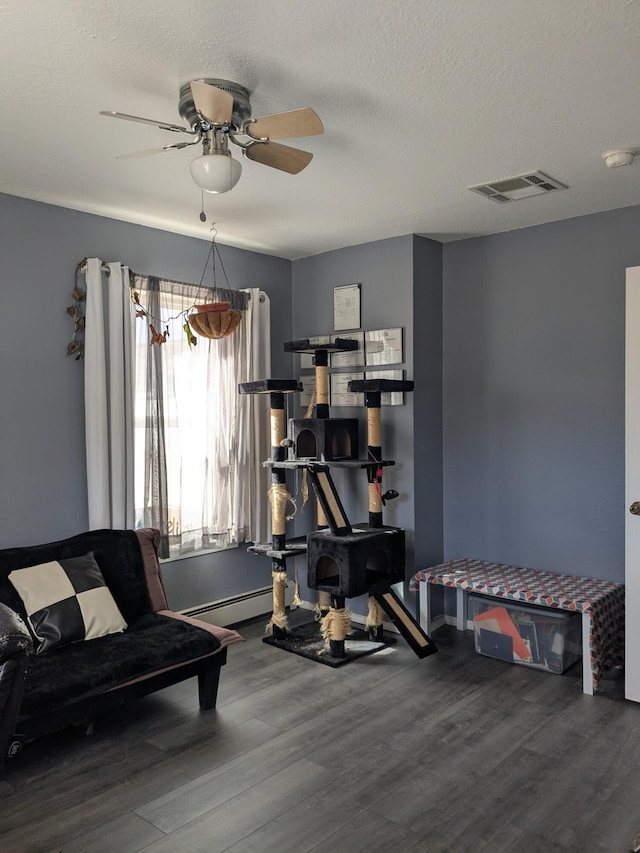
250,605
237,608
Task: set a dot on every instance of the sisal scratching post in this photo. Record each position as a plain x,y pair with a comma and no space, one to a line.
374,476
322,411
278,549
335,626
373,398
375,616
374,451
324,603
278,495
322,384
279,621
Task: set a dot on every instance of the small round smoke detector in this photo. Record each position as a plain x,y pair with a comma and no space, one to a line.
619,157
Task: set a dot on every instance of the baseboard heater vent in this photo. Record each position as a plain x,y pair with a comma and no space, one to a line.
237,608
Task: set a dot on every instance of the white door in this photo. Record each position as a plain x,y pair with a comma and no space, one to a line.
632,487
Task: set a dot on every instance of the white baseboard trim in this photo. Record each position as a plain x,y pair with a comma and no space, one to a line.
441,620
450,620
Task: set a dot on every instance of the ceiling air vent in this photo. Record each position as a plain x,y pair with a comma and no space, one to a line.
522,186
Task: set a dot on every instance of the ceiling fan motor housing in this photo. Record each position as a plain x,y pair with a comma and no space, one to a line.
240,95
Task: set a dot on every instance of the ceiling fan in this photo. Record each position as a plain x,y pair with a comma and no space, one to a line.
219,112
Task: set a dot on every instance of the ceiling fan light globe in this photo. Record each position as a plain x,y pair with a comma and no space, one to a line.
216,173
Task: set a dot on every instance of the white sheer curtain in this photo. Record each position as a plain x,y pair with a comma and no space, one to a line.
108,392
199,443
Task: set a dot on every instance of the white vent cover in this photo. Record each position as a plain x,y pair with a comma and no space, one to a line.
522,186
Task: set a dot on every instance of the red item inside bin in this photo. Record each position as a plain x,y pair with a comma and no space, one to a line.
499,616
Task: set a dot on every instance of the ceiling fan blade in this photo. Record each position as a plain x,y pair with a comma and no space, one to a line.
146,151
291,160
163,125
289,125
212,103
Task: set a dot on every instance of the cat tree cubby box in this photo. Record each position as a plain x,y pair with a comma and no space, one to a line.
343,560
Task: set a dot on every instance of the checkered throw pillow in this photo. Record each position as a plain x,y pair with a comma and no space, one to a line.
66,601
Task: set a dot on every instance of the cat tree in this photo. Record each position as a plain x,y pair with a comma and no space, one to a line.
343,560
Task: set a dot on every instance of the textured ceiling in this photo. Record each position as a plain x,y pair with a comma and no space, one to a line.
420,99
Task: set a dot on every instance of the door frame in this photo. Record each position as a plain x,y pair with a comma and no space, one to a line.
632,484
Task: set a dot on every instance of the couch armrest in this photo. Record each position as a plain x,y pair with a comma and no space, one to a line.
15,639
149,541
226,636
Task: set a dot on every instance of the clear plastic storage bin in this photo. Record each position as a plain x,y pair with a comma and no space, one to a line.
529,635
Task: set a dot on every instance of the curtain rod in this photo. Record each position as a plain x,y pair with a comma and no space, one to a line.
82,266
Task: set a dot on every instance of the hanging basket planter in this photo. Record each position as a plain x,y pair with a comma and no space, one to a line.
215,320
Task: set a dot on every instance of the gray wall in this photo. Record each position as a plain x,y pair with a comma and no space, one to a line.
427,402
43,485
530,402
394,274
534,394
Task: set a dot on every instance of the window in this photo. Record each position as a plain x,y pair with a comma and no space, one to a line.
194,444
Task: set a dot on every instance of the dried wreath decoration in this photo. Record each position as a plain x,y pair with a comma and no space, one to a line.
76,312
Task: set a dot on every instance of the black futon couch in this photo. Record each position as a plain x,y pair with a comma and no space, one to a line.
45,689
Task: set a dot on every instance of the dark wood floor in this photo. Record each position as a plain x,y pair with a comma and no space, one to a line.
454,753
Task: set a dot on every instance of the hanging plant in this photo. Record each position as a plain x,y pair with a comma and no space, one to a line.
215,320
161,337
